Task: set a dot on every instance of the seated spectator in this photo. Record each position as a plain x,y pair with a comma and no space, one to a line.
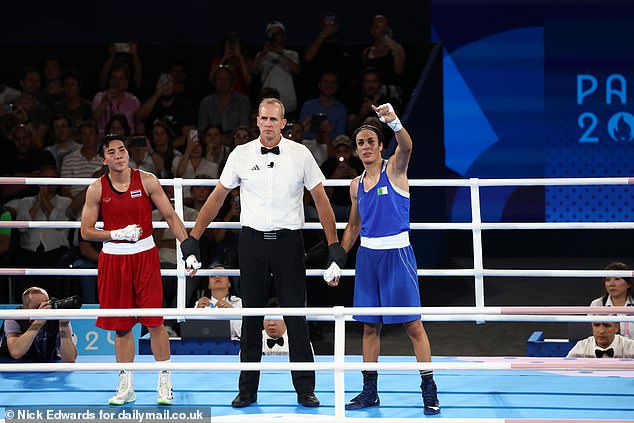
217,151
73,106
241,135
193,162
63,143
604,342
326,104
344,165
44,247
27,160
118,124
221,295
319,147
37,340
370,95
225,107
162,151
83,163
617,293
274,336
115,100
141,153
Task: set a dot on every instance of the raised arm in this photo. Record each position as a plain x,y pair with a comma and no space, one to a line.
398,163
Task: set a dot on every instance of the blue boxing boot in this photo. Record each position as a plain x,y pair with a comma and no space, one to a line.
430,396
368,396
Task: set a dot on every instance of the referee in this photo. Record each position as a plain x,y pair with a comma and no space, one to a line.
272,173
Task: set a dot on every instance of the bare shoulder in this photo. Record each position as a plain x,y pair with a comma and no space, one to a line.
149,181
94,189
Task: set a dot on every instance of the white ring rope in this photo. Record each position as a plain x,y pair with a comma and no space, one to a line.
341,314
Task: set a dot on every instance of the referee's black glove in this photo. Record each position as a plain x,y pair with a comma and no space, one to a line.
191,247
337,254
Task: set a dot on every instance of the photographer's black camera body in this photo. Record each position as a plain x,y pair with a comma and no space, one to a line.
65,303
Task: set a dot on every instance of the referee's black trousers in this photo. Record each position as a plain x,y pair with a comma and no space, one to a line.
284,258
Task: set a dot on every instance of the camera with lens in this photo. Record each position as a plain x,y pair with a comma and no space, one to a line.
70,302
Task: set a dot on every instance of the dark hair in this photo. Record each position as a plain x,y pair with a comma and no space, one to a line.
70,73
88,123
371,69
27,70
122,120
169,154
109,138
378,133
618,265
273,302
61,116
120,66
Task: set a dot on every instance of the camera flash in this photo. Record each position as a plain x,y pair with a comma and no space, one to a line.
341,159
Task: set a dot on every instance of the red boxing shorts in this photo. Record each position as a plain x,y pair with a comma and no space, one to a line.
130,281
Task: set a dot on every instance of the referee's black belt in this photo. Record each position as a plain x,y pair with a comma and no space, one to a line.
269,235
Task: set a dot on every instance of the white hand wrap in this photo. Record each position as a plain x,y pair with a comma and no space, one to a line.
192,263
129,233
395,124
332,272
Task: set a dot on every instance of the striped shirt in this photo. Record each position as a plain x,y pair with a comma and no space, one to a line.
75,165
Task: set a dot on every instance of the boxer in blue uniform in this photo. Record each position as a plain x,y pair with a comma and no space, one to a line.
386,266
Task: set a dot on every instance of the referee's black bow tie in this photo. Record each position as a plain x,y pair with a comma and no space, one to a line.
271,342
600,353
274,150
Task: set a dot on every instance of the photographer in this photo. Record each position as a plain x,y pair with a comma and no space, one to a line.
39,340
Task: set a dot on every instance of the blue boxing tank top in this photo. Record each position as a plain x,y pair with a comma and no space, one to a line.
384,209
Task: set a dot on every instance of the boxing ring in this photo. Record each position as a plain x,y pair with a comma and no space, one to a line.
471,389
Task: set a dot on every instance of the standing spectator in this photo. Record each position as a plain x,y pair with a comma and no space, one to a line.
603,343
168,107
276,66
326,104
63,143
233,57
73,106
618,293
327,54
37,340
271,242
122,54
115,100
39,115
53,90
388,56
129,271
224,107
386,266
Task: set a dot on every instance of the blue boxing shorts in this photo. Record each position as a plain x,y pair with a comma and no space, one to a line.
386,278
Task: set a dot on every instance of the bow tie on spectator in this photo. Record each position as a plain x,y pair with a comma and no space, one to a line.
274,150
600,353
271,342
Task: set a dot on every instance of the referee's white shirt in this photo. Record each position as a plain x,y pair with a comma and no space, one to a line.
271,185
623,348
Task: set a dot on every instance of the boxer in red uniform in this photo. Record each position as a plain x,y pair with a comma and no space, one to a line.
129,272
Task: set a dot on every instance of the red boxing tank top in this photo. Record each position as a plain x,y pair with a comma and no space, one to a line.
120,209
